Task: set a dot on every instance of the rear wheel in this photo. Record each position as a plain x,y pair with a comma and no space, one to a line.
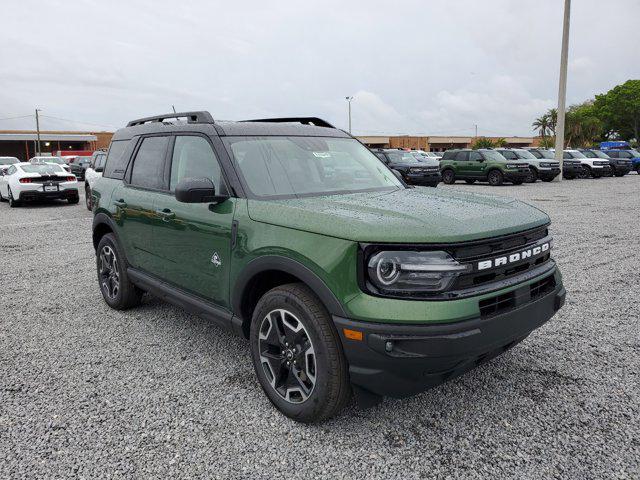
73,200
448,177
117,290
87,197
495,178
533,175
13,203
297,355
470,181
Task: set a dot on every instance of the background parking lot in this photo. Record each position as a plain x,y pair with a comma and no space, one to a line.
91,392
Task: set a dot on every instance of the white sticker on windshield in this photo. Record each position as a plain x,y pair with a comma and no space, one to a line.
322,154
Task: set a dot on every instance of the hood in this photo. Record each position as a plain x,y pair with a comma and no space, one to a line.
419,215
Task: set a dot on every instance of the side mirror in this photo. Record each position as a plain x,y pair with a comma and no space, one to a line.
480,160
197,190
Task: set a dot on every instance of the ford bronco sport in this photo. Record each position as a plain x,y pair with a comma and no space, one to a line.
545,170
484,165
291,233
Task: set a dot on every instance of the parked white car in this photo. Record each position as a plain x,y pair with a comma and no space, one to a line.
54,160
93,173
5,162
591,167
25,182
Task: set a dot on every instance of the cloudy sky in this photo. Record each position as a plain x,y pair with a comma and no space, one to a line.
430,66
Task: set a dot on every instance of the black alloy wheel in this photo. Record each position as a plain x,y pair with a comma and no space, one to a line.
495,178
448,177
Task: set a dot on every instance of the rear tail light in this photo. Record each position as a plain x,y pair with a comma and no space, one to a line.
26,180
71,179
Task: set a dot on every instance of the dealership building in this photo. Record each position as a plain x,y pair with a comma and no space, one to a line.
22,144
439,143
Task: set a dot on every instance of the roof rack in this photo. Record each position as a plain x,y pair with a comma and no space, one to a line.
318,122
192,117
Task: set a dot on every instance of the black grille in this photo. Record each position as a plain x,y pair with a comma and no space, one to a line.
495,305
496,248
542,287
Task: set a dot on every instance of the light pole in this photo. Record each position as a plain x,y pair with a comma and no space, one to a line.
38,130
348,99
562,89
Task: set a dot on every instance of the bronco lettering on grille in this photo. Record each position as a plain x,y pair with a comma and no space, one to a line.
514,257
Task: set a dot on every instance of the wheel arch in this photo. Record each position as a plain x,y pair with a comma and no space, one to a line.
264,273
103,224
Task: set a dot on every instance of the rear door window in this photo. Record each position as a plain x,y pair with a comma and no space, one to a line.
117,159
475,156
461,156
148,166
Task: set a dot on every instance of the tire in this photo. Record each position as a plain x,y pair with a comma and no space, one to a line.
73,200
638,169
495,178
547,179
293,312
533,175
87,197
585,173
433,185
470,181
448,177
126,295
12,202
2,199
620,174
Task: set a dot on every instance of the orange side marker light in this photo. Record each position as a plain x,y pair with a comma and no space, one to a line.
352,334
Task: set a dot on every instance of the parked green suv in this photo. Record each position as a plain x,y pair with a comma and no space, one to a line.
291,233
485,165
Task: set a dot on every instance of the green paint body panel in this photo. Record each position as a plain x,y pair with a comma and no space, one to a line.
321,233
474,170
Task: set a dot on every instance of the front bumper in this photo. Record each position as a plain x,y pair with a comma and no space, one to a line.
422,178
548,173
403,360
601,171
516,175
571,170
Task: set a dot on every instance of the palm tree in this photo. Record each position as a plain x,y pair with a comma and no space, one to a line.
541,124
552,115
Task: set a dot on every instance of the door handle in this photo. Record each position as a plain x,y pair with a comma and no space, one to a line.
120,203
166,214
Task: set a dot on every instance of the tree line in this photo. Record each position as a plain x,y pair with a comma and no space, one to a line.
614,115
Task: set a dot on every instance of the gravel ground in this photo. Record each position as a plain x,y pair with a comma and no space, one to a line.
155,392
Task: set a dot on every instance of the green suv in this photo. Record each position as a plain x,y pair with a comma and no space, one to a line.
485,165
291,233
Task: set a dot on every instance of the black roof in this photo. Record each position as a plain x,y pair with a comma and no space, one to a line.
203,122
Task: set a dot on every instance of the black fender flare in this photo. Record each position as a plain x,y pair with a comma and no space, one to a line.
102,218
292,267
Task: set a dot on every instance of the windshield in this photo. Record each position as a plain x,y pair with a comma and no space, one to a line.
307,166
590,154
634,153
547,154
508,154
577,154
41,168
8,160
493,155
525,155
597,153
398,156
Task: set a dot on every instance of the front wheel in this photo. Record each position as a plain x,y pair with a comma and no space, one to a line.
495,178
117,290
297,355
585,173
448,177
533,175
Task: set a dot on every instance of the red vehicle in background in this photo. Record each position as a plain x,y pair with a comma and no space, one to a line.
70,156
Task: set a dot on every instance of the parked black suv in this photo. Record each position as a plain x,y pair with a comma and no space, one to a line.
79,167
620,165
413,171
570,168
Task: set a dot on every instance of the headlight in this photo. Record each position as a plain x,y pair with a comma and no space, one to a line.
406,272
514,165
